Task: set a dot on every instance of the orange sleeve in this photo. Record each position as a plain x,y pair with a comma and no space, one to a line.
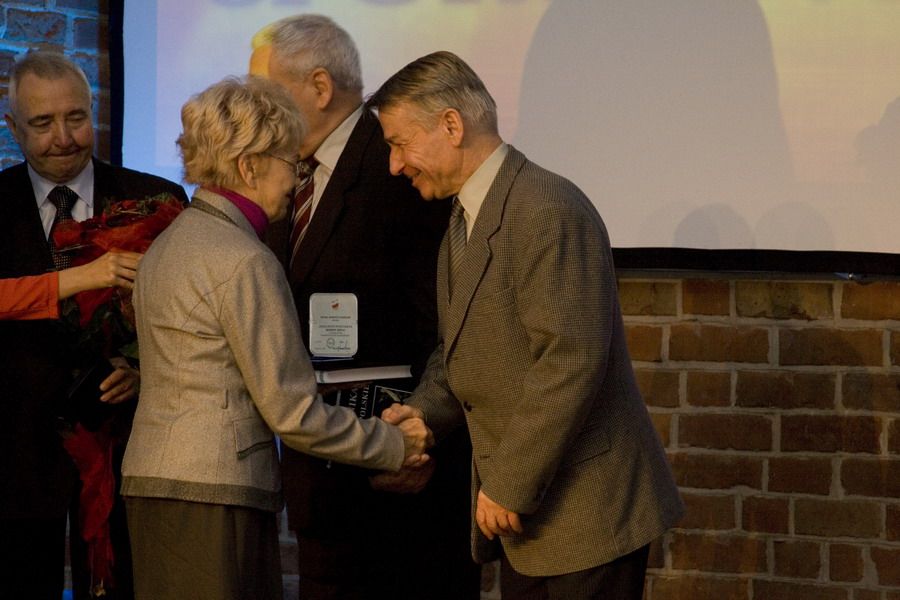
30,297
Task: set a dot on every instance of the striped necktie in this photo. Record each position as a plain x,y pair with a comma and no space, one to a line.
456,237
63,198
303,204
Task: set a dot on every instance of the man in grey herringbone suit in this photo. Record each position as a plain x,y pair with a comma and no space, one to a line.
568,472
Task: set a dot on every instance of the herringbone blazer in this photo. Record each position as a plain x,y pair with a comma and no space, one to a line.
223,367
533,354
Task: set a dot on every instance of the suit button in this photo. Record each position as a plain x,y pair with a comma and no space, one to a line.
467,407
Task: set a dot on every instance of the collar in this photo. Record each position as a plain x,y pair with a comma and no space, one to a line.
250,209
82,184
475,189
329,151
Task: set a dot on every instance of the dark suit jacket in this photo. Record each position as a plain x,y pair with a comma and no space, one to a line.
533,353
372,235
35,371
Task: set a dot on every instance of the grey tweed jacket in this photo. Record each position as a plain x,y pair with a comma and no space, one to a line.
533,355
223,367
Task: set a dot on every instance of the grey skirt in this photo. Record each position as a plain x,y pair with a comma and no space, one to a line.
189,550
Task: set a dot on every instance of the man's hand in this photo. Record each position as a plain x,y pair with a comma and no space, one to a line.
122,384
417,437
493,519
409,480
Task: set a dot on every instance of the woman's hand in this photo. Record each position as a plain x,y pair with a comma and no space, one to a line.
115,268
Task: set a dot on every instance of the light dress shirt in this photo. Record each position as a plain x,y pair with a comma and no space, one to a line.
82,184
328,153
476,187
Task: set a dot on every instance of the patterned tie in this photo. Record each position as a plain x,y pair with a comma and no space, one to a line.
456,237
303,203
63,199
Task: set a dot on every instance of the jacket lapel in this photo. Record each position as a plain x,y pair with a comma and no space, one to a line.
478,250
331,204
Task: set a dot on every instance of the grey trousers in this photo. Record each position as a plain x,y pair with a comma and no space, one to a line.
193,551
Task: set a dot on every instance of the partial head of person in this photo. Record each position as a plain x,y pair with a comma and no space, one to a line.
243,135
439,121
50,114
317,62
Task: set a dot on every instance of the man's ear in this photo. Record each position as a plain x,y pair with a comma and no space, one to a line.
324,86
11,124
451,123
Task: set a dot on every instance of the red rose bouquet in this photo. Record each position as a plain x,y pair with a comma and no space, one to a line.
103,318
100,324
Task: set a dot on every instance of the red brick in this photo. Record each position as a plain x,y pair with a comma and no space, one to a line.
845,563
835,518
644,342
783,300
871,477
895,348
659,388
647,297
894,437
797,559
35,26
725,432
858,594
712,471
784,389
704,511
887,564
705,297
821,346
892,528
765,515
718,343
692,587
709,388
800,475
830,433
718,553
873,301
871,391
779,590
662,422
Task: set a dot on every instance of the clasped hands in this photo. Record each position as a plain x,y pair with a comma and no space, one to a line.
418,466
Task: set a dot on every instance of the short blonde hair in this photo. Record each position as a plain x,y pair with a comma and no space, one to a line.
234,117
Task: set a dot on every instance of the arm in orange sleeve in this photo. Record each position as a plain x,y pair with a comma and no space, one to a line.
30,297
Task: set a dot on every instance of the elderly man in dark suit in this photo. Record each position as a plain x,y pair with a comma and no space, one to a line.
372,236
50,117
569,472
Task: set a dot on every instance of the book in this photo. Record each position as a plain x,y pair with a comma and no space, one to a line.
336,374
368,399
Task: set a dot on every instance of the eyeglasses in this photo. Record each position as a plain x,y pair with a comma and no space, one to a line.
298,166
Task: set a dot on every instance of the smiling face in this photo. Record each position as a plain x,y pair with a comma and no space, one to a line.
51,121
428,156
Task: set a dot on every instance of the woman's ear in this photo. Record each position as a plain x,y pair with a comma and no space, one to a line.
248,169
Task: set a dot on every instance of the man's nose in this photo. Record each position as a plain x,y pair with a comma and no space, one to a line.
396,163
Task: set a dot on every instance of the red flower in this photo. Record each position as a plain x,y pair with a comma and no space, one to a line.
124,225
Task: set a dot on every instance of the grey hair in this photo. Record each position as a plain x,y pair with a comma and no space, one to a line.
306,42
232,118
45,65
436,82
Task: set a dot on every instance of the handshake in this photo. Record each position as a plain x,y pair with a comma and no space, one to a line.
417,438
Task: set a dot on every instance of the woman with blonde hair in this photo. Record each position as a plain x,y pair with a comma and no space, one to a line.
223,365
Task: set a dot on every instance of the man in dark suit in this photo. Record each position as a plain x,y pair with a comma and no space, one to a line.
568,470
372,236
50,117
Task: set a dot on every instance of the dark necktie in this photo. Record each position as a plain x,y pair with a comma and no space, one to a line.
63,199
456,238
303,203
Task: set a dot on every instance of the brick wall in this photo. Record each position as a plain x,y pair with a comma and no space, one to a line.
76,27
778,402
